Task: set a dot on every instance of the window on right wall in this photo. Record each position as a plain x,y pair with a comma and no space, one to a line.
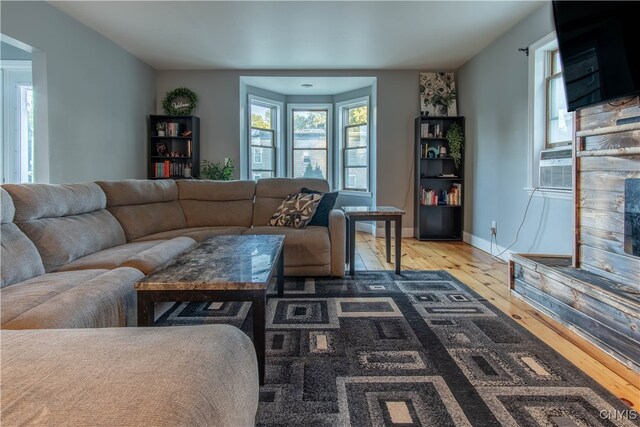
551,126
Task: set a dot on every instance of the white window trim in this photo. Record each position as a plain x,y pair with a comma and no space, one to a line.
11,74
279,140
289,138
338,158
537,117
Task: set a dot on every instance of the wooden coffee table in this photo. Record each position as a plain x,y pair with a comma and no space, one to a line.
222,268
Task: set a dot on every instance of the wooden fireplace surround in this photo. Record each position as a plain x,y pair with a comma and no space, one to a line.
596,291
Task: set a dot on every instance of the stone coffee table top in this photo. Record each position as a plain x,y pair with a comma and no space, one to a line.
220,263
372,210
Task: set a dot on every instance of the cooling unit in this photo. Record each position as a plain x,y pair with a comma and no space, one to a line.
556,168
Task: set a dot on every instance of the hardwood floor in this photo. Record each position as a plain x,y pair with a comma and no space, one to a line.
489,278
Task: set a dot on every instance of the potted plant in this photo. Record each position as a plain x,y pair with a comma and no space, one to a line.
217,172
161,128
455,138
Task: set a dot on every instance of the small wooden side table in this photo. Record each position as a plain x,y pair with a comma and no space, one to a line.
373,213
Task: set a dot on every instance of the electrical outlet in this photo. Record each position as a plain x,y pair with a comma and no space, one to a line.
494,228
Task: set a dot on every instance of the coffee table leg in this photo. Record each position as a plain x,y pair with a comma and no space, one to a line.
259,303
280,273
387,238
145,309
352,246
398,243
346,252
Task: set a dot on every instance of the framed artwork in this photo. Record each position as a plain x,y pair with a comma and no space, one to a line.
161,149
438,94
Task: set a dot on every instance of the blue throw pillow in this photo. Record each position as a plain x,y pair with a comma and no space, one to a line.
321,217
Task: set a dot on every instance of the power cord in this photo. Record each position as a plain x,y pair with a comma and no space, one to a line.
495,236
406,196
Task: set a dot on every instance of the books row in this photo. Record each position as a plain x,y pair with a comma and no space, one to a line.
430,130
452,197
168,169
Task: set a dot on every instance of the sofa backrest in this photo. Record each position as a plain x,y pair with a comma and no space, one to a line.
217,203
64,221
270,192
19,258
143,206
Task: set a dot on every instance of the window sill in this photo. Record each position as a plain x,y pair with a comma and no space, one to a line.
351,193
550,193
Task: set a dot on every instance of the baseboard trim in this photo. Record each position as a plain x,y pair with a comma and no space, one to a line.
406,232
485,245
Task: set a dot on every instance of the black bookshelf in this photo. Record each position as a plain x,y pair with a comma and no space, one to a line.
442,217
177,152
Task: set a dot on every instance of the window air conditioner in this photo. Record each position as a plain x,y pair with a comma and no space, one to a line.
556,168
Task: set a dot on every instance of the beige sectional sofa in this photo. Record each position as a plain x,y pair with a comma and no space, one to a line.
164,209
71,255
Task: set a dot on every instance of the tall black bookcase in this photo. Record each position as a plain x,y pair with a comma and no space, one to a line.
439,183
175,155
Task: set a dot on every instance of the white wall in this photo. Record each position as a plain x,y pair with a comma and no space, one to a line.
397,107
493,97
98,96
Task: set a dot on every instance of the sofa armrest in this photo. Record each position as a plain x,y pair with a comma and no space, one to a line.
337,236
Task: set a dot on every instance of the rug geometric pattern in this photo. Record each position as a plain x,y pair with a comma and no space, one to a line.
416,349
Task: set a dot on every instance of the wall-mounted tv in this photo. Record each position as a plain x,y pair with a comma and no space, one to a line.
599,49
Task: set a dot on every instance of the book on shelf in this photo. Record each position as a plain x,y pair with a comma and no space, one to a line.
168,169
430,130
451,197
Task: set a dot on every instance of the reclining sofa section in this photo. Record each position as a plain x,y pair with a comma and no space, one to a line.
162,209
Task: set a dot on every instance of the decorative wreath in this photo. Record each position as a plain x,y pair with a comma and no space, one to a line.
179,102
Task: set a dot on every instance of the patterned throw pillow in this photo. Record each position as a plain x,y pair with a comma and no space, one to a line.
296,210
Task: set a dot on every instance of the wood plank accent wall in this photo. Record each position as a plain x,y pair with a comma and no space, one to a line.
605,155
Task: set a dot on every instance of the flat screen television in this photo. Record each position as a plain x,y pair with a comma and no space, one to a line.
599,49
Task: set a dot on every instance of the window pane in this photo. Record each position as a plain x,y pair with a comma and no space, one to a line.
26,134
310,129
260,116
555,62
262,158
310,163
560,124
261,174
356,178
357,136
356,157
358,115
262,137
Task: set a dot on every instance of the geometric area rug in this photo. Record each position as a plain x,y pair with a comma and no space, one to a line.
416,349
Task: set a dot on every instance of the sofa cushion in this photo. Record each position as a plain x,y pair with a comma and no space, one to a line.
144,207
173,376
199,234
270,192
19,258
217,203
138,191
145,256
296,210
7,209
35,201
78,299
302,247
65,222
62,240
24,296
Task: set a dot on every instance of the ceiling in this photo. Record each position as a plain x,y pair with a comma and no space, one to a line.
298,35
319,85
